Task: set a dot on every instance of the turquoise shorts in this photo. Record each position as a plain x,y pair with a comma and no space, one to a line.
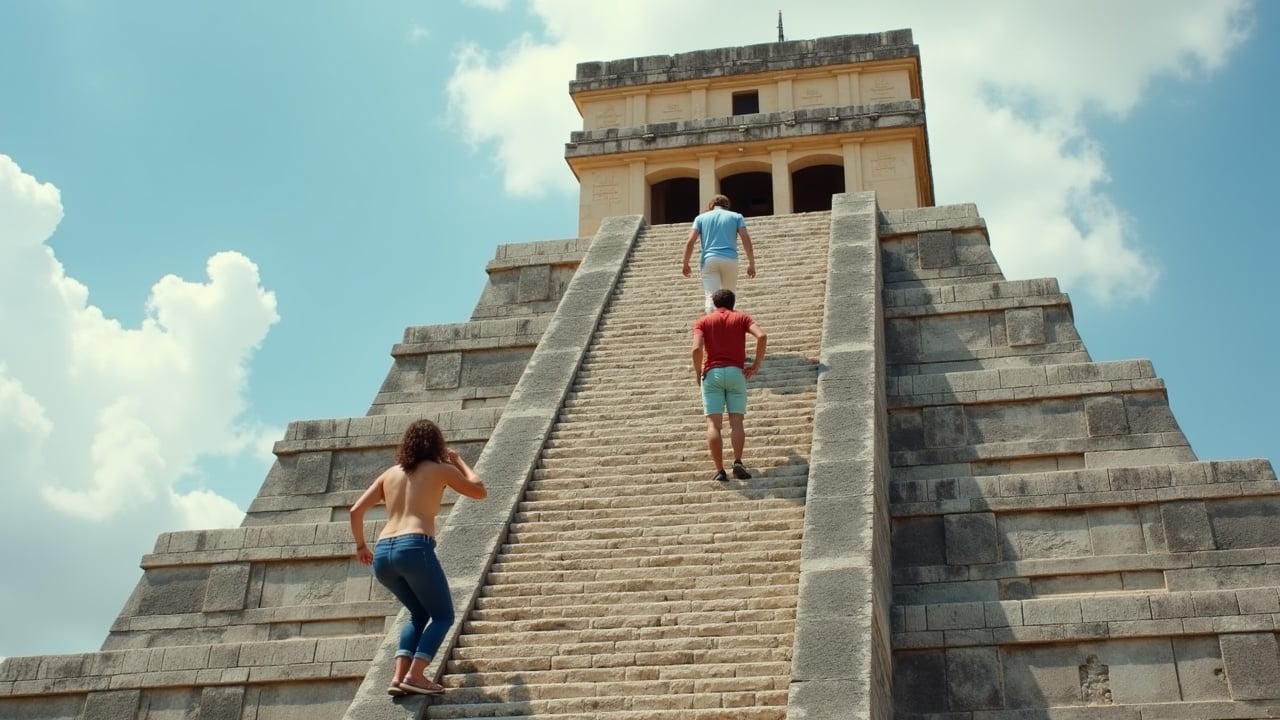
724,387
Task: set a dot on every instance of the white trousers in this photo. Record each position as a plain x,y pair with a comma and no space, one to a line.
719,273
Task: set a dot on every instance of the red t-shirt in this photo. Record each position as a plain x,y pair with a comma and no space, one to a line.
724,333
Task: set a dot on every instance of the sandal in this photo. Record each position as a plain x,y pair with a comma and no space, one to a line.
409,687
394,690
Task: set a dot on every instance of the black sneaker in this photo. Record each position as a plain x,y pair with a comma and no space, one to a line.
739,471
721,476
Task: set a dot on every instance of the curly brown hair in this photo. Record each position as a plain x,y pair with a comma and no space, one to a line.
422,441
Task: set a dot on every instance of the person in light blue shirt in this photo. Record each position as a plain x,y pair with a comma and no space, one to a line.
719,229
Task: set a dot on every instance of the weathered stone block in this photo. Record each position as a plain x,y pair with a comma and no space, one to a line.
1186,526
1036,535
943,426
919,542
971,539
906,430
221,703
954,333
493,367
1149,413
169,591
311,474
1006,422
1201,676
1116,531
1252,662
534,284
1024,326
956,616
973,679
1104,415
918,678
227,587
111,705
1050,611
442,371
937,249
1245,523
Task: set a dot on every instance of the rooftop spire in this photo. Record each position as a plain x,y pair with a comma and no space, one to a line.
780,37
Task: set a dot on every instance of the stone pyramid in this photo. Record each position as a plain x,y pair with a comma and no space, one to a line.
955,513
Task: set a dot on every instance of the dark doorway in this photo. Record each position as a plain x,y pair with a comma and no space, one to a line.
750,193
673,201
812,187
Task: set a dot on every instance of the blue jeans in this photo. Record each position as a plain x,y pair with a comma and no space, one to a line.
407,565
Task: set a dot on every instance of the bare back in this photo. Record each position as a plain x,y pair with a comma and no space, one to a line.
413,499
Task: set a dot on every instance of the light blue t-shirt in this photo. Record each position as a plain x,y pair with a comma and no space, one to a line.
718,230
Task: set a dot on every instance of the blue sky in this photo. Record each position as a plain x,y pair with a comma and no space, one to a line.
346,169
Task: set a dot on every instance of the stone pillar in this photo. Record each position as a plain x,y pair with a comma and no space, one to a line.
852,165
706,179
786,98
781,180
847,93
638,189
639,109
698,102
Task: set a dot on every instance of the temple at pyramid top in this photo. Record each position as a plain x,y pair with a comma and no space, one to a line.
778,127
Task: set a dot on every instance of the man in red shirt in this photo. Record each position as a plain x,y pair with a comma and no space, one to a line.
719,363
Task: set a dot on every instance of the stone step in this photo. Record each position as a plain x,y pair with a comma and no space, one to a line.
709,567
601,552
793,473
677,699
1072,487
712,656
985,358
751,710
1008,384
803,395
622,639
678,427
590,504
757,673
1094,617
758,460
781,408
553,605
657,608
691,557
761,454
245,663
1052,577
634,633
760,520
971,297
650,542
257,624
253,544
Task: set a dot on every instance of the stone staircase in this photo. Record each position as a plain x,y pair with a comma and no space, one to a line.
1058,551
630,585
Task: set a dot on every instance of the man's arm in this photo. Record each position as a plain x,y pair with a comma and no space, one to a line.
698,344
371,497
688,251
751,253
761,341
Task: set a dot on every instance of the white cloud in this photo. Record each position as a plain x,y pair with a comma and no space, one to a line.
1007,84
487,4
417,32
99,422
